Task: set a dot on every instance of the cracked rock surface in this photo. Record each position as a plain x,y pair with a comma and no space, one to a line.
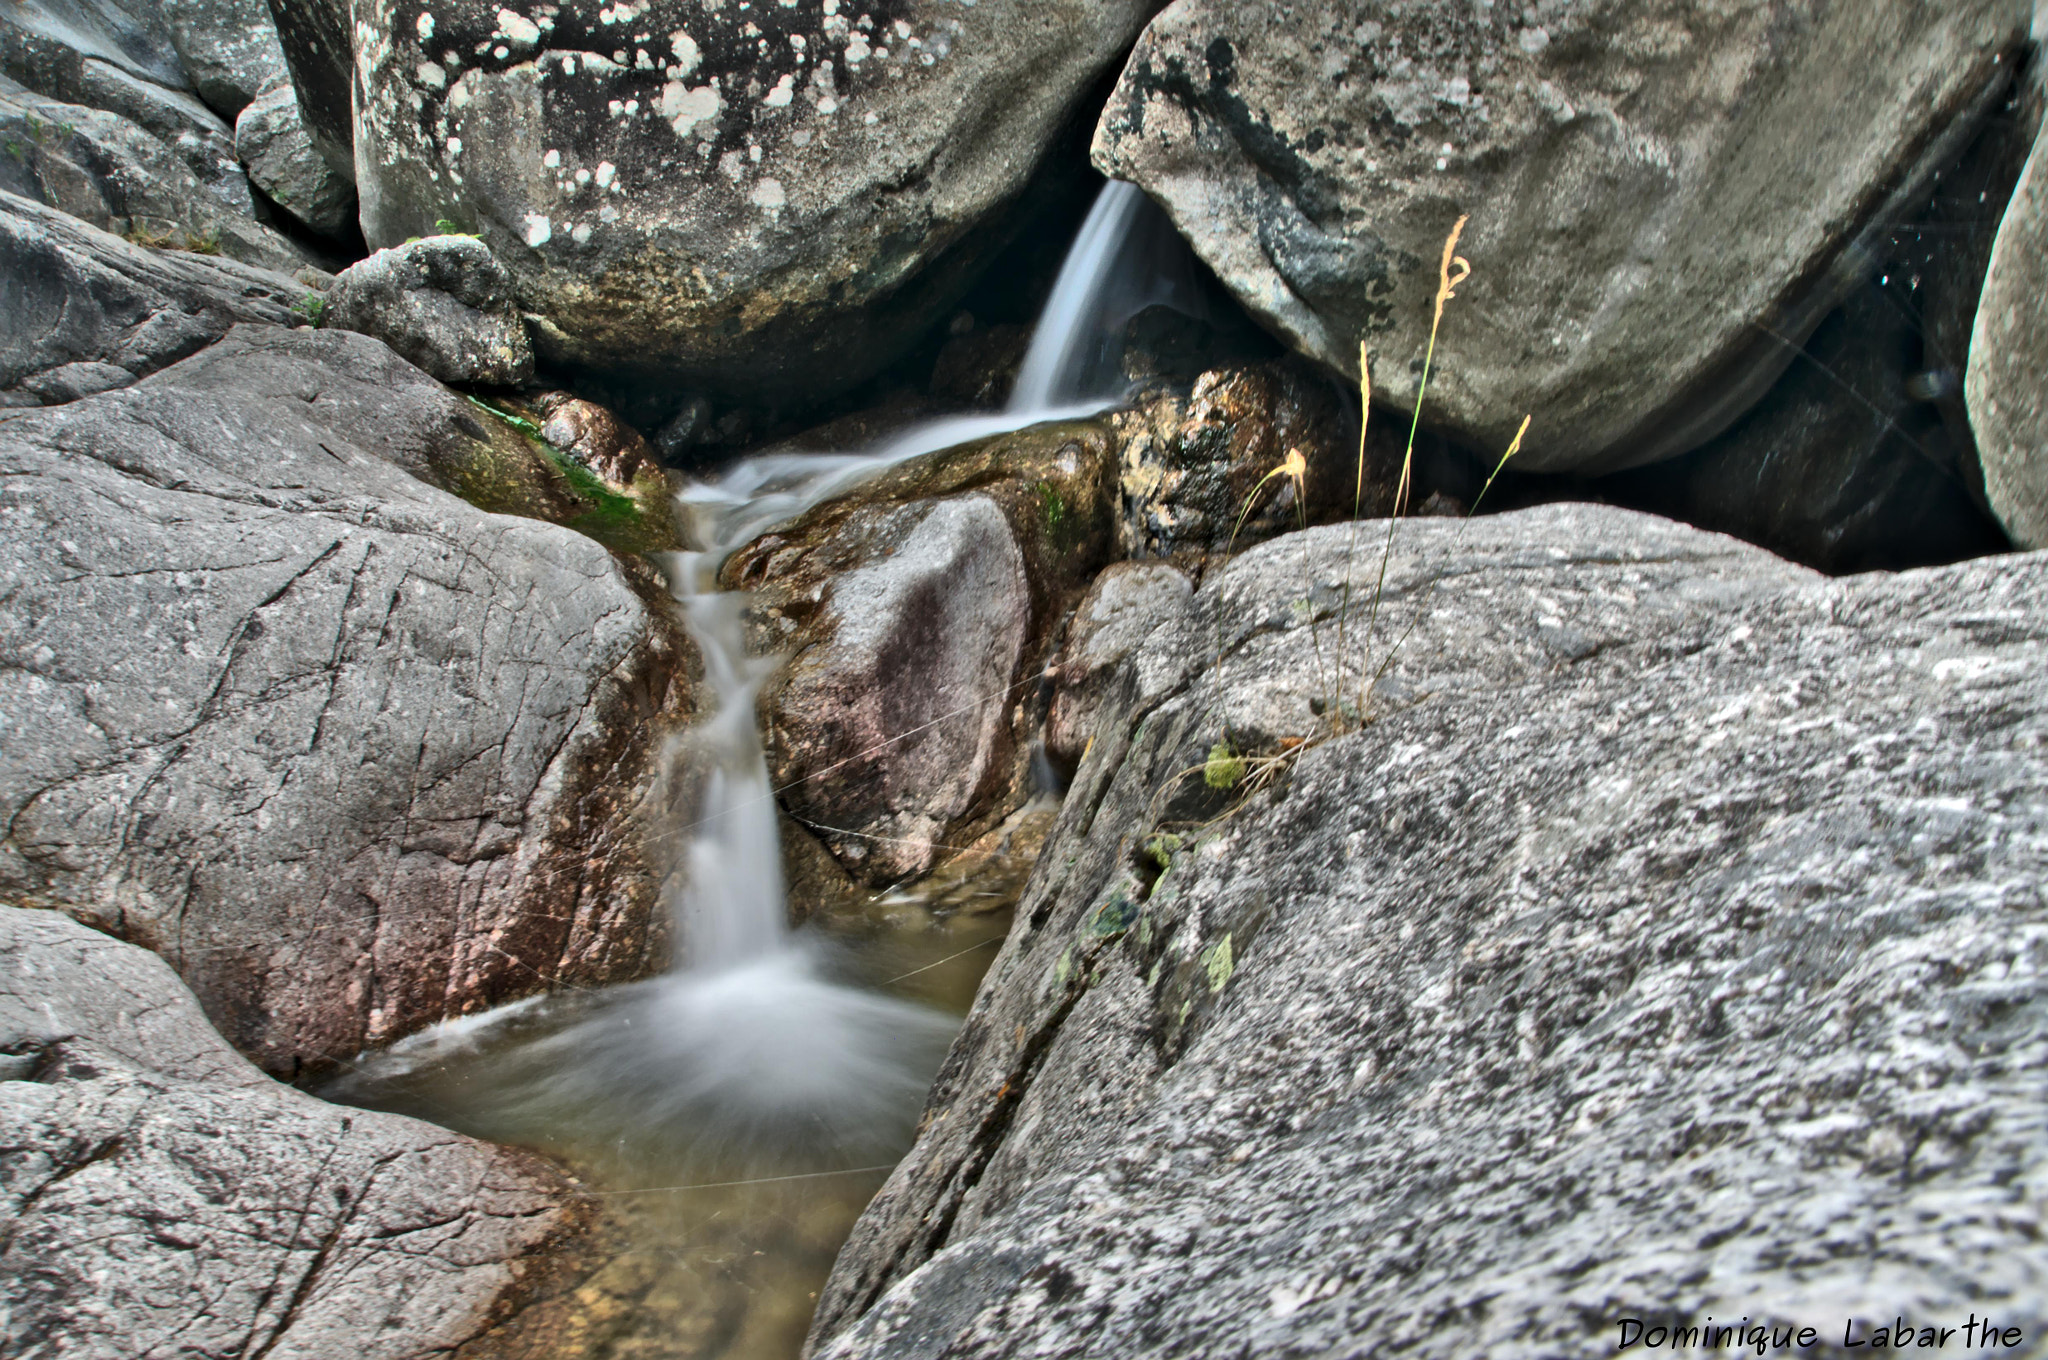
95,312
160,1196
1643,180
1671,944
352,755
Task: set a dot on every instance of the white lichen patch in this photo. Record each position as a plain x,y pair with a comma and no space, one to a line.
539,231
767,193
517,29
425,27
782,94
686,109
431,75
607,174
688,56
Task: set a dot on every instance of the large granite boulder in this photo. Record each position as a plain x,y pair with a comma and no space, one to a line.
1667,945
2008,357
88,311
349,753
445,303
773,200
160,1192
229,50
1653,219
103,169
283,161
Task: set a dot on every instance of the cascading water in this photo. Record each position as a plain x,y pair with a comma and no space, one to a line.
751,1059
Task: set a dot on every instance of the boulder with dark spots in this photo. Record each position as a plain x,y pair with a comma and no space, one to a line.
89,311
445,303
229,50
594,436
278,152
2008,355
1668,944
104,170
352,755
918,613
1652,218
159,1191
770,203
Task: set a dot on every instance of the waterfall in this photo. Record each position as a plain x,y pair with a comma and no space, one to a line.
748,1046
731,908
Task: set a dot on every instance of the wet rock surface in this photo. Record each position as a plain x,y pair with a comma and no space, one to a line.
917,613
1196,468
444,303
347,752
159,1191
1667,945
2008,351
774,201
92,311
1316,158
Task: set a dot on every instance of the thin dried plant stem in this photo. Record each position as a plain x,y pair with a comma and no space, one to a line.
1452,272
1333,701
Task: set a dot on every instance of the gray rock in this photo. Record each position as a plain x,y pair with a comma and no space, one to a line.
445,303
160,1191
919,611
1121,610
1668,945
772,201
2008,355
229,50
1840,466
320,56
103,169
128,34
1647,195
278,152
908,691
350,754
89,311
99,55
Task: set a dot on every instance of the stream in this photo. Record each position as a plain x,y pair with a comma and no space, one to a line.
734,1116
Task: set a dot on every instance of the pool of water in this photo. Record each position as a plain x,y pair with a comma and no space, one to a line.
715,1230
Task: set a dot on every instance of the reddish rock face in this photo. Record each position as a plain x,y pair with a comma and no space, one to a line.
594,436
352,755
919,613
